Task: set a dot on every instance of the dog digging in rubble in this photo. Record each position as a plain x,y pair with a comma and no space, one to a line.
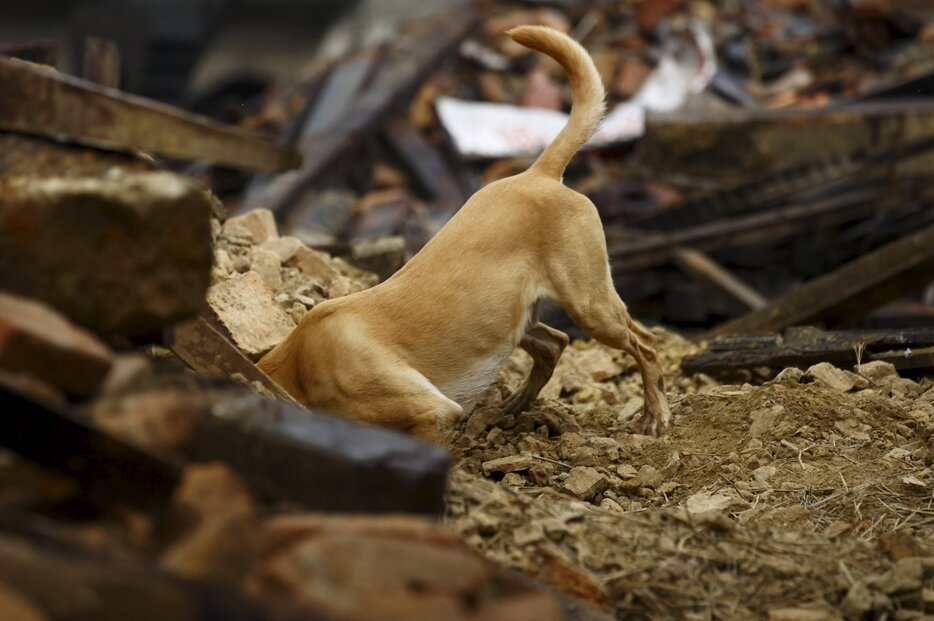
417,351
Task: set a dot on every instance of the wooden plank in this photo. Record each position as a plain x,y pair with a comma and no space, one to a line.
208,351
426,165
702,266
101,62
395,81
802,356
108,470
909,360
649,249
39,101
850,291
735,145
42,52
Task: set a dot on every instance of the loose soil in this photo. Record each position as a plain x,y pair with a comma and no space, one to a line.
786,500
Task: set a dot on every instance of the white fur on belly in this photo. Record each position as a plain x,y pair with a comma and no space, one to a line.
466,389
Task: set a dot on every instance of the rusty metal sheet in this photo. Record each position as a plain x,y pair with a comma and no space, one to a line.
39,100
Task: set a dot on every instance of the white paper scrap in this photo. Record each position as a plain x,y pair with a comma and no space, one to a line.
492,130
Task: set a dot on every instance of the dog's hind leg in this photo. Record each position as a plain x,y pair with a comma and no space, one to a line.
545,345
580,275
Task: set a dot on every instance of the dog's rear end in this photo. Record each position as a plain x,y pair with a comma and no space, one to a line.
418,350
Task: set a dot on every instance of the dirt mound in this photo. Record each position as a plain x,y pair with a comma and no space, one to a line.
796,493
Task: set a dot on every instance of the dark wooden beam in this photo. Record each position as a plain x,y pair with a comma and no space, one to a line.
848,292
40,101
395,81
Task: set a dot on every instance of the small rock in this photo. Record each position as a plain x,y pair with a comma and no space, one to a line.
764,472
837,379
650,477
876,370
37,340
223,262
801,614
245,307
312,263
480,420
512,463
907,575
853,429
632,408
626,471
266,264
585,482
528,533
284,247
339,287
899,454
791,375
706,501
764,420
513,479
260,223
608,504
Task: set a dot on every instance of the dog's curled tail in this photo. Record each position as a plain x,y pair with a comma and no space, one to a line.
587,94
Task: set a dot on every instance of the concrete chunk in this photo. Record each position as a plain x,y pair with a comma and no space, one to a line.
260,223
837,379
125,254
37,340
312,263
876,370
585,482
247,311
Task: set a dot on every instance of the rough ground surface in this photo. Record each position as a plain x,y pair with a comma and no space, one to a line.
788,500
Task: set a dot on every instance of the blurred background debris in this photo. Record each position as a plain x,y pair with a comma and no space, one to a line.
180,182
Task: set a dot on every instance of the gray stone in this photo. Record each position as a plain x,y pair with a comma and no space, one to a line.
125,255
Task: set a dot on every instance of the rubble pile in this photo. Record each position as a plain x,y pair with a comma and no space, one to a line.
807,495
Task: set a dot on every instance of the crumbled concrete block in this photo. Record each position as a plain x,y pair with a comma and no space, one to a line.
266,264
260,223
124,255
37,340
837,379
313,263
247,310
585,482
876,370
284,247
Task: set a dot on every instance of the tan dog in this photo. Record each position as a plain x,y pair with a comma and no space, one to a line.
417,351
